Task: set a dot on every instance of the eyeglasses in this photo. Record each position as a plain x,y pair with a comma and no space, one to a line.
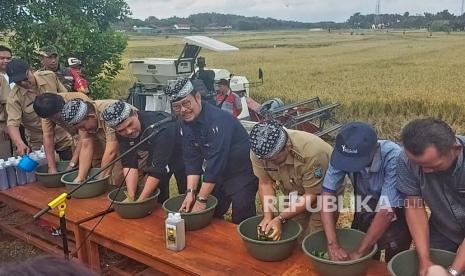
5,58
187,104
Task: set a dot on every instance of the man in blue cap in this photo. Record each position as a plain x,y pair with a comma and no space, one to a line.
371,165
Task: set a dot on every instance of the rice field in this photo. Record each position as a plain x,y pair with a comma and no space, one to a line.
385,78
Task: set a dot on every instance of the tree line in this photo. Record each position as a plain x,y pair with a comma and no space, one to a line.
441,21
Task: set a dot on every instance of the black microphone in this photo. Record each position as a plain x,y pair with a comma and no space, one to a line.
159,123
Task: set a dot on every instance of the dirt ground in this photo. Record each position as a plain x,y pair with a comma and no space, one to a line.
12,249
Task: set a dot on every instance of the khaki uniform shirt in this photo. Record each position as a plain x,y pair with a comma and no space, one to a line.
104,132
303,171
304,168
4,93
64,76
48,125
20,110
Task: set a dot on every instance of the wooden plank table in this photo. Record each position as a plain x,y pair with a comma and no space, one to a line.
214,250
32,197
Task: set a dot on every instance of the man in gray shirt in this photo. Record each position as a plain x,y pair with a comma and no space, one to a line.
431,170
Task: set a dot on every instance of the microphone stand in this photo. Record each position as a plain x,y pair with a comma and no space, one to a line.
60,201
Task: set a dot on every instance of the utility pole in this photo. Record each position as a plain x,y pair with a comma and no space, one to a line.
461,10
378,8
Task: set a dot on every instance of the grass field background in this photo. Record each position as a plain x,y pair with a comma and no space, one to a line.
384,78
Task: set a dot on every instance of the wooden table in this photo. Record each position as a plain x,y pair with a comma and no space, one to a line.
32,197
214,250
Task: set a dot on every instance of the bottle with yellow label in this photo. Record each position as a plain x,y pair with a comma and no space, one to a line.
175,232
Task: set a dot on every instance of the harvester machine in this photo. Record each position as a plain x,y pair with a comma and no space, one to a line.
153,74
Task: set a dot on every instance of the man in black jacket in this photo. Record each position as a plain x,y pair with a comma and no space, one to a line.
164,149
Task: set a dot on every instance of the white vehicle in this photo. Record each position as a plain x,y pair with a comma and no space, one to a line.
154,73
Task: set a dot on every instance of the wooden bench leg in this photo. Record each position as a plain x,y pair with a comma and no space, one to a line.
79,236
94,256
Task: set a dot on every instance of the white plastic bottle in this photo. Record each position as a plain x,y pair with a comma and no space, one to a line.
31,176
3,177
11,174
21,175
175,232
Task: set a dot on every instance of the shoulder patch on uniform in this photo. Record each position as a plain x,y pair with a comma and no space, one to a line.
317,172
296,155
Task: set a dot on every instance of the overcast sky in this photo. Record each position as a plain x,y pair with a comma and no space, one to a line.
300,10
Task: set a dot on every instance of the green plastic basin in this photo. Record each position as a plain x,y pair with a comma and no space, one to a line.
269,251
349,239
52,180
91,189
133,210
405,263
192,221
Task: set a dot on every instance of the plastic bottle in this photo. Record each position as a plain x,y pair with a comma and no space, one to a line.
20,174
3,177
11,174
175,232
31,176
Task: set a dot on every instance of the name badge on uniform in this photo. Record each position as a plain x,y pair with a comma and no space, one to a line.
293,197
271,169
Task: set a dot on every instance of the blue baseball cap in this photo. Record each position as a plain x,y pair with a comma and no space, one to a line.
354,147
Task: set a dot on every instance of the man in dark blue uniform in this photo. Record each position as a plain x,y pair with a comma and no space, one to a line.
164,149
216,145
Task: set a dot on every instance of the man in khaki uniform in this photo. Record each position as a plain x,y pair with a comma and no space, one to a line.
5,143
51,62
49,106
86,116
20,110
294,162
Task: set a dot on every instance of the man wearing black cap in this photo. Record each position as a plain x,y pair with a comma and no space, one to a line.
371,165
49,107
214,136
294,162
51,62
28,85
164,149
431,171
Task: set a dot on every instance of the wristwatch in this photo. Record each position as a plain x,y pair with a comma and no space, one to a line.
190,191
453,272
201,199
281,219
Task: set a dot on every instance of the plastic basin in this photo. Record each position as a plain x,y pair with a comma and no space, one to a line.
52,180
349,239
405,263
133,210
192,221
91,189
269,251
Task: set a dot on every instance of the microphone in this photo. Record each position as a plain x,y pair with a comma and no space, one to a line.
159,123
